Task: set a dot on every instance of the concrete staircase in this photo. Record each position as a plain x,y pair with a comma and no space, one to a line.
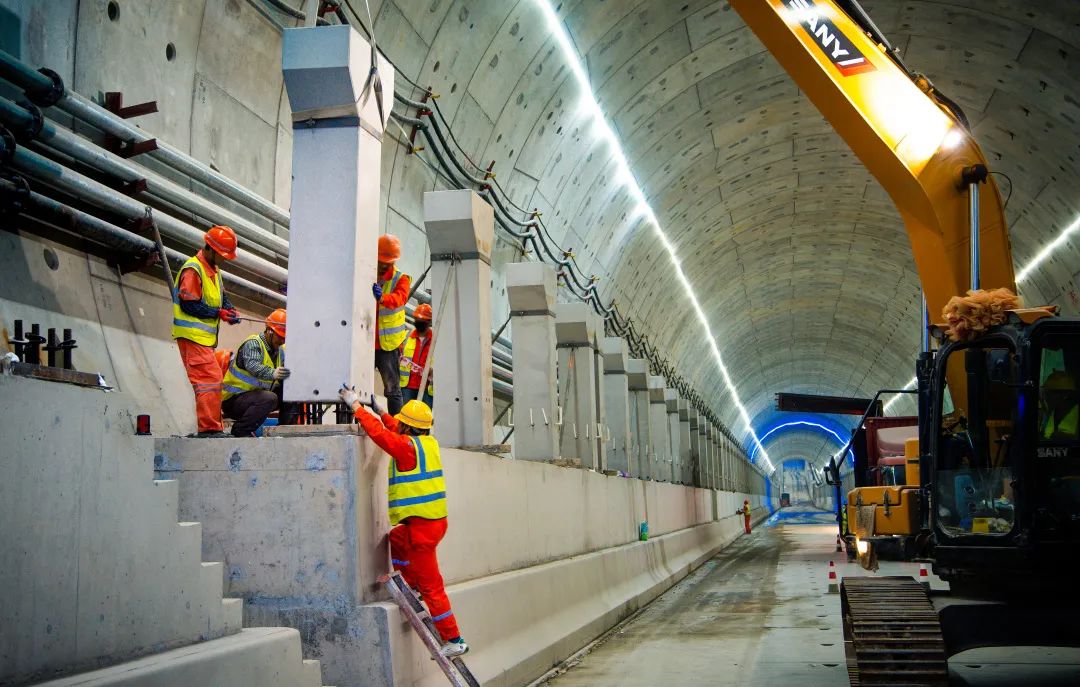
100,584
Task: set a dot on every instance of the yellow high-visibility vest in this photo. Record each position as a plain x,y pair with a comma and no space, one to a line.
421,492
184,326
1068,427
392,327
406,365
240,381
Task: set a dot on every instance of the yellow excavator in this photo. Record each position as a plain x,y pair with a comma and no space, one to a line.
996,505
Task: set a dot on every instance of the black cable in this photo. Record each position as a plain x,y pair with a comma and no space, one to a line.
1008,196
285,9
539,237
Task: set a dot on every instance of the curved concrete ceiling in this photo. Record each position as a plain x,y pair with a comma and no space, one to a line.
795,253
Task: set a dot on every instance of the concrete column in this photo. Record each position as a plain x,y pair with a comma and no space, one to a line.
336,161
659,442
706,455
461,232
714,458
683,476
600,437
617,404
671,400
637,376
531,289
574,332
695,447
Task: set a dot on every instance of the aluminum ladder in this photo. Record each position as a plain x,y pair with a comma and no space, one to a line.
455,669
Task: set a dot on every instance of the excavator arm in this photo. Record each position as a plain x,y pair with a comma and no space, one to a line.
911,139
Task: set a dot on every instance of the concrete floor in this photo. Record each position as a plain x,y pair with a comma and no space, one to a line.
759,614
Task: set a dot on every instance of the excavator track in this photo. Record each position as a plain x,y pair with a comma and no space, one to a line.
892,634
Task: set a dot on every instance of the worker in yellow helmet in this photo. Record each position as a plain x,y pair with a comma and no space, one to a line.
1060,415
199,305
252,386
417,503
391,294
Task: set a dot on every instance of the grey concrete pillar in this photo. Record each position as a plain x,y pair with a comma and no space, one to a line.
695,447
671,400
336,160
600,437
637,376
659,440
617,404
713,457
685,464
461,232
531,289
575,333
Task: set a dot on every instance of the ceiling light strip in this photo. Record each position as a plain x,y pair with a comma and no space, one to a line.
603,132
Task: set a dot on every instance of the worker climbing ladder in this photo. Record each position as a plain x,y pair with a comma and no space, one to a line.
455,669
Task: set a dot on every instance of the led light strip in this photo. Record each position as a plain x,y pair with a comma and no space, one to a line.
805,423
602,131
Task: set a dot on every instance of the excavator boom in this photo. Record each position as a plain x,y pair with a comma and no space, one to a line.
902,131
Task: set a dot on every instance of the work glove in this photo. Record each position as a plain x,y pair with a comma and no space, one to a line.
348,396
281,373
229,315
374,405
376,290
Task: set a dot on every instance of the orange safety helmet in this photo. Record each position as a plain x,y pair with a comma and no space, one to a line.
389,248
423,312
276,322
223,240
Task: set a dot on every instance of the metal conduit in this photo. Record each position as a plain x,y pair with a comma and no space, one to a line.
99,231
78,148
41,88
75,184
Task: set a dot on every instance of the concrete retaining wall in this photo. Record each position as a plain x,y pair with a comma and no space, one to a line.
539,559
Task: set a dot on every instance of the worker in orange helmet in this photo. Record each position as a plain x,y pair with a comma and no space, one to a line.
391,294
417,502
414,356
199,306
252,386
745,512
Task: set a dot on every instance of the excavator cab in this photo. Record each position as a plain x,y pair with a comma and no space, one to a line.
1003,473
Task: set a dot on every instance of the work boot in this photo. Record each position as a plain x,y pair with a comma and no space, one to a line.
454,648
210,435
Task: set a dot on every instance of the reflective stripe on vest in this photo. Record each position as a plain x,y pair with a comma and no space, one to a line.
405,367
1068,427
421,492
204,332
392,327
240,381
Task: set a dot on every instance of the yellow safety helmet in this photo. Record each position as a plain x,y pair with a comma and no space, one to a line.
1059,381
415,414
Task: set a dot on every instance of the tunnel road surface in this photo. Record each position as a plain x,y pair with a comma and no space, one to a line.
759,614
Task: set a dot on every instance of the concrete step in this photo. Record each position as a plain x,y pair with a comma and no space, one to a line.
257,657
312,674
232,613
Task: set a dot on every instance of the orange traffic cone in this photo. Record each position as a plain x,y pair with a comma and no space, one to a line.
839,544
834,585
924,577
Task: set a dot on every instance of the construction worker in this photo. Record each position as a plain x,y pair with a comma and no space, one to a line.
1060,412
252,386
745,510
417,504
414,356
391,293
199,305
